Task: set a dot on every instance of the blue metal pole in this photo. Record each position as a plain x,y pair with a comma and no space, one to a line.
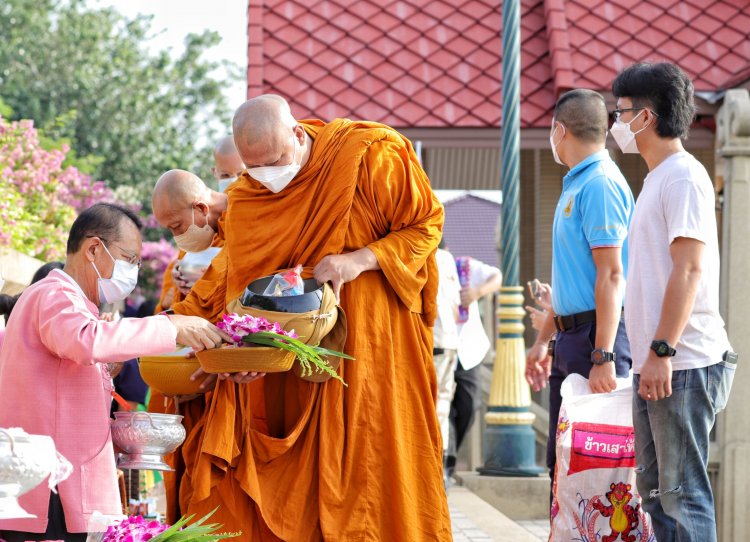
509,441
511,148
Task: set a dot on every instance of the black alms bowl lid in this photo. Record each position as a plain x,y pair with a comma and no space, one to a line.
309,301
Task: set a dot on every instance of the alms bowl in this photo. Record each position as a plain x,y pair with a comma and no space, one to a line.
306,302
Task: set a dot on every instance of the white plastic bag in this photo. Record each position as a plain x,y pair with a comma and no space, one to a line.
286,284
594,493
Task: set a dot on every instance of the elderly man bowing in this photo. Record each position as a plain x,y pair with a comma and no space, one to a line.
287,459
53,374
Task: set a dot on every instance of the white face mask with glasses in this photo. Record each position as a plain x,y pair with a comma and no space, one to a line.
122,282
275,178
624,135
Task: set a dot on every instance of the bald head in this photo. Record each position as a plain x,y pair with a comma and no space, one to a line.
227,162
261,118
177,189
263,129
179,198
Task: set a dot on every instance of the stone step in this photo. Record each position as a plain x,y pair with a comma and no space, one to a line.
519,498
473,520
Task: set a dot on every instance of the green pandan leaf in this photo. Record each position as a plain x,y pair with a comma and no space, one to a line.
305,353
195,532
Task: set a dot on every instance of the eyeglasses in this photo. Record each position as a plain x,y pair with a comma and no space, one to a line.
615,114
130,257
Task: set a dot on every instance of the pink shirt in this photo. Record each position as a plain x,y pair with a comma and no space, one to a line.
53,382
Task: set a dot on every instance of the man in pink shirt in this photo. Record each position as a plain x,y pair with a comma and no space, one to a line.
53,373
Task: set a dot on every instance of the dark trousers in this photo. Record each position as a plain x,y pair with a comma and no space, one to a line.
573,356
466,401
55,527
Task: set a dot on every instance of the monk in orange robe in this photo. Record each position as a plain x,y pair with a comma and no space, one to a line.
179,200
286,459
227,167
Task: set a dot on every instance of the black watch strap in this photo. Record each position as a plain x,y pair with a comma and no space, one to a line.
662,349
599,356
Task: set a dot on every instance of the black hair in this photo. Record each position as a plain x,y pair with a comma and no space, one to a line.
101,220
584,114
665,89
7,302
43,271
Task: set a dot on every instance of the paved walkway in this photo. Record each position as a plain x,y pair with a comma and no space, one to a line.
474,520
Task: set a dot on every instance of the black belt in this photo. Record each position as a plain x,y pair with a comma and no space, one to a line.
565,323
438,351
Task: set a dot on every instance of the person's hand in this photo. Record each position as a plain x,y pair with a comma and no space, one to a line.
602,378
538,366
197,333
537,317
469,295
168,299
114,369
338,269
544,296
208,380
106,316
182,285
656,378
241,378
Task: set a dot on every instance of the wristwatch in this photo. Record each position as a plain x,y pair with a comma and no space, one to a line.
662,349
600,356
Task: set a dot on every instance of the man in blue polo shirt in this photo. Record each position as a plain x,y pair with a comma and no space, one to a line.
589,260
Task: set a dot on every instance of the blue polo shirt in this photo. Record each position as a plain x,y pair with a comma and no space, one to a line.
593,212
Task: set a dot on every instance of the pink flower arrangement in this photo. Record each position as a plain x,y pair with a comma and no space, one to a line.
134,529
238,327
138,529
247,329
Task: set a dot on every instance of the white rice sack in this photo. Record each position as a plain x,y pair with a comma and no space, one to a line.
595,498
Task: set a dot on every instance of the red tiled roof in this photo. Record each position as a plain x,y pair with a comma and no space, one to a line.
710,40
437,63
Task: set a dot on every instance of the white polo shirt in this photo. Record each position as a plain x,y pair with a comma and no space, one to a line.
677,200
473,343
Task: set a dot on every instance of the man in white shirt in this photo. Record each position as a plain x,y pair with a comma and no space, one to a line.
445,332
473,345
682,359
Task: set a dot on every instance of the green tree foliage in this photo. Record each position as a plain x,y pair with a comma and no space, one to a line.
86,78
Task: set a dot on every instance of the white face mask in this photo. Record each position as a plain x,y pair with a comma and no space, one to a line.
122,282
275,178
624,135
554,146
195,239
224,183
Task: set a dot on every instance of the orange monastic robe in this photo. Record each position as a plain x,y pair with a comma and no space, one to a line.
289,460
192,411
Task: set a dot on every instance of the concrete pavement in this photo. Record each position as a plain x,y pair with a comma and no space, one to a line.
474,520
